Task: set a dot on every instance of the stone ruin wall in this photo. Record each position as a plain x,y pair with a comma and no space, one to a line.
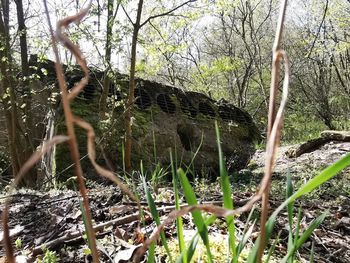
164,117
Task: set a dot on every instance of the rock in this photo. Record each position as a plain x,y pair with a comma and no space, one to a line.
307,163
311,145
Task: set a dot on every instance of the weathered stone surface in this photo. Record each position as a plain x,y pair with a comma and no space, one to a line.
164,118
307,163
185,121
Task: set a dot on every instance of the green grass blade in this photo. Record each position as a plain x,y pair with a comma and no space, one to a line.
192,248
297,229
156,218
188,254
197,215
151,253
307,233
227,196
253,252
83,212
195,155
272,248
193,244
312,253
252,258
244,241
179,223
290,207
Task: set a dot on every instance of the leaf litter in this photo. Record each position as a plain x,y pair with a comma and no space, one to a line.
54,218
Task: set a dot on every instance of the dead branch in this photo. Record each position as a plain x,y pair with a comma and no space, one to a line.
22,172
79,235
167,13
311,145
318,30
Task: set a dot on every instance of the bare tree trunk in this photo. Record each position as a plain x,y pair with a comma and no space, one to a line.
106,77
30,179
7,91
130,102
24,64
129,105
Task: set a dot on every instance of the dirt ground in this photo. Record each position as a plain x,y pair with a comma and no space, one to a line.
54,219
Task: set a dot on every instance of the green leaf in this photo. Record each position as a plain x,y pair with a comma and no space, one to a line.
307,233
227,195
179,224
156,218
197,215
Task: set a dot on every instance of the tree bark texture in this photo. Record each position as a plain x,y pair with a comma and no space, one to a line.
106,78
130,101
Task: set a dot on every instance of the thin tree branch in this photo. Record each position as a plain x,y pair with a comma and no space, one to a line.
127,15
167,13
319,29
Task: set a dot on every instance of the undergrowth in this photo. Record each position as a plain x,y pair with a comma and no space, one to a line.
238,245
299,128
210,250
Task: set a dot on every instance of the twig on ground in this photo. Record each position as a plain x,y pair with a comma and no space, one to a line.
22,172
78,234
166,207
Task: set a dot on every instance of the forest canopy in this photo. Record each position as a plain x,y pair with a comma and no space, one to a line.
221,48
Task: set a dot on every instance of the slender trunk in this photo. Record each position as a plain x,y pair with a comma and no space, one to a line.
106,79
24,66
130,102
7,92
30,179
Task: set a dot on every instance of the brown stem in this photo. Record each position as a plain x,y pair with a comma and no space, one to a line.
69,116
273,138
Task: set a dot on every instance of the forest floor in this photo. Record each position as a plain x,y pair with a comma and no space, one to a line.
54,220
